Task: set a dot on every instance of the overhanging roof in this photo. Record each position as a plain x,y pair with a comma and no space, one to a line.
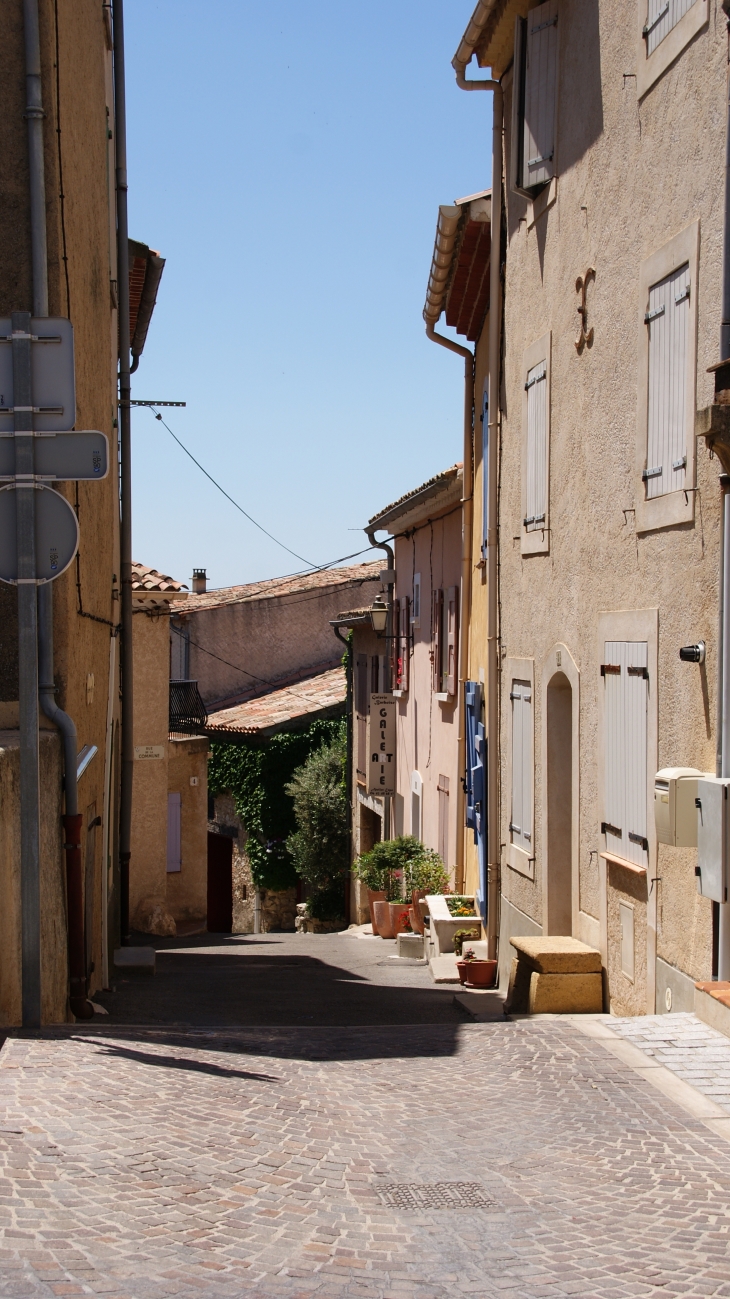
290,708
434,495
490,35
458,282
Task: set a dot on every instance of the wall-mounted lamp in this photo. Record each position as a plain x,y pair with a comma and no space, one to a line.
693,653
379,614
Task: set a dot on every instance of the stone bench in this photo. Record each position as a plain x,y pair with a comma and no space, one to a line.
555,975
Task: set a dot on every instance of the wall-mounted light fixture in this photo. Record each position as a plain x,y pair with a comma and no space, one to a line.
379,614
693,653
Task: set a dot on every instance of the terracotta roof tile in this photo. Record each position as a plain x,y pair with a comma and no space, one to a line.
432,487
268,713
280,586
149,580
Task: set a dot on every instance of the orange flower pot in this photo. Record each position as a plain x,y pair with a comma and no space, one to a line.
381,919
373,897
477,974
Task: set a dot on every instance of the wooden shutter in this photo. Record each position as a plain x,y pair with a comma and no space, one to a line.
416,609
626,690
536,448
437,617
174,836
374,675
452,640
361,685
662,16
668,321
404,643
394,647
472,702
442,789
522,741
540,93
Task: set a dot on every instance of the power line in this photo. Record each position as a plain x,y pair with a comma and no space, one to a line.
211,479
277,685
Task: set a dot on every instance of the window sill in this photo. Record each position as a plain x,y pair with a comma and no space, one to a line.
621,861
520,861
649,69
399,694
443,697
665,511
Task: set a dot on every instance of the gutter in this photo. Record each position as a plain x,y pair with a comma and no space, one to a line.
460,62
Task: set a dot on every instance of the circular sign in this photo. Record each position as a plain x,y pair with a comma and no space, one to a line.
56,533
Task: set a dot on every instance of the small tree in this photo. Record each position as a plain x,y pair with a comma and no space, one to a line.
319,845
399,865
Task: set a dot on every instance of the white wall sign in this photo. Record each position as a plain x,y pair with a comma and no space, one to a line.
381,745
149,750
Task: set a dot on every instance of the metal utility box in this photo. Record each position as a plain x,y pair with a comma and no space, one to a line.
712,837
675,813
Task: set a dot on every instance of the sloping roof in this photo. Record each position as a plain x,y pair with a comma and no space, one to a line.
426,495
148,583
275,587
322,695
490,35
458,281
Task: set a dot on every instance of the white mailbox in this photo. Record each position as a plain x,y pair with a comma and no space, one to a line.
675,813
712,837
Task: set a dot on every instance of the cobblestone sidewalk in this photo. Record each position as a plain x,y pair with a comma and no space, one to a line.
142,1163
690,1048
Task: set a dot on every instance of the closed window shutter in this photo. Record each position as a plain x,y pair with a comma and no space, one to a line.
536,495
404,643
668,321
662,16
174,837
437,639
361,685
394,647
472,708
626,689
521,822
452,640
540,89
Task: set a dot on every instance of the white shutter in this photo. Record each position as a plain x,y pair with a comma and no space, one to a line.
625,737
522,736
668,320
536,468
541,67
174,837
662,16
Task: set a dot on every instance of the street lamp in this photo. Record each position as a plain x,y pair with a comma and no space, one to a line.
379,614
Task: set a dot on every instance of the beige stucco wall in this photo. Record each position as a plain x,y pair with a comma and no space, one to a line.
148,907
631,175
187,888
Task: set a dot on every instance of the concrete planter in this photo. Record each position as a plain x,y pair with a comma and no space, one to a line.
410,947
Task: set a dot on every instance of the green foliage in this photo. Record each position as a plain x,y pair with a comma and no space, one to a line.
400,865
459,905
256,774
319,845
462,936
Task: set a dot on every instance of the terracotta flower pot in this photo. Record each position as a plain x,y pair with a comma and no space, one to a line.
398,917
477,974
373,897
381,919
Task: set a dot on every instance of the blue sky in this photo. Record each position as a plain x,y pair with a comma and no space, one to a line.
288,160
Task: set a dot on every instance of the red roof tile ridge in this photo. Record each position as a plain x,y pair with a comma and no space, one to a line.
291,585
149,579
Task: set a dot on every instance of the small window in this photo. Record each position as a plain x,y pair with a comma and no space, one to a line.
536,448
362,692
452,640
625,683
535,99
403,645
442,789
445,641
520,826
437,640
666,28
416,605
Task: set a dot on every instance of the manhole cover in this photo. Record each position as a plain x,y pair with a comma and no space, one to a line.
439,1195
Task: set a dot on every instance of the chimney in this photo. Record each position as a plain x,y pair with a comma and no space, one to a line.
200,581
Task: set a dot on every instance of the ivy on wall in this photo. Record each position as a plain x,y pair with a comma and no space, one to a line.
255,773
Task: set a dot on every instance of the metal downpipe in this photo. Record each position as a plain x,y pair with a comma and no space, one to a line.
467,516
125,455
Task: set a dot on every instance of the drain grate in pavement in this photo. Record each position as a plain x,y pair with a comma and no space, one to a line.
438,1195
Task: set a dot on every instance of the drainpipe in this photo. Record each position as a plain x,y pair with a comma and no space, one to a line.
383,545
125,455
80,1007
467,513
495,348
348,770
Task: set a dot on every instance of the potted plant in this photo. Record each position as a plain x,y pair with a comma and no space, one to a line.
475,973
462,936
395,868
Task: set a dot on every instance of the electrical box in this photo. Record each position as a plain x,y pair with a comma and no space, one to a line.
675,813
712,837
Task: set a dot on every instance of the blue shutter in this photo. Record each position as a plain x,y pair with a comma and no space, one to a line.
479,782
472,691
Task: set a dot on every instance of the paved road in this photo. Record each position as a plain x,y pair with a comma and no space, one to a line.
142,1163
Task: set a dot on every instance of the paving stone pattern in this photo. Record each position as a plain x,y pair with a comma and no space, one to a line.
144,1163
690,1048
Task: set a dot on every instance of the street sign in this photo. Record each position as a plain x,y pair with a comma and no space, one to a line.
83,456
381,745
56,534
52,372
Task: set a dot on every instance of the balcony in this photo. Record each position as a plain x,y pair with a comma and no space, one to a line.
187,710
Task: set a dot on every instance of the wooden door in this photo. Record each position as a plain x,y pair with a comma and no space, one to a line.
220,884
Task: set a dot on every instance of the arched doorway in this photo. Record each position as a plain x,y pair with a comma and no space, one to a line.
559,805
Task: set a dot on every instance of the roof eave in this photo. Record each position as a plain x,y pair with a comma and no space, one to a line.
443,492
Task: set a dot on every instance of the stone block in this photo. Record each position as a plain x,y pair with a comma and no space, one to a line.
410,946
565,994
558,954
518,991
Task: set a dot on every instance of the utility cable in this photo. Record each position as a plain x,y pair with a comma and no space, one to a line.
277,685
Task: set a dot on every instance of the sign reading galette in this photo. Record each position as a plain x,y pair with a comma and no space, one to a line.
381,745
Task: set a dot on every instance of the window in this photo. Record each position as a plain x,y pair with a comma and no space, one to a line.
179,651
625,684
416,605
665,430
403,645
535,99
445,641
174,836
520,826
362,698
536,447
665,28
437,628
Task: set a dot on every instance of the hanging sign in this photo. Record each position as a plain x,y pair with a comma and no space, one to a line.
381,745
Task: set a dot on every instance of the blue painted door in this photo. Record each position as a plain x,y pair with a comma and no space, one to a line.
475,785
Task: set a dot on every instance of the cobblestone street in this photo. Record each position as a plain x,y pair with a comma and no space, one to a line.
148,1161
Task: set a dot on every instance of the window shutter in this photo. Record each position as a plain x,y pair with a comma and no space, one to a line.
452,640
442,789
394,646
625,739
667,319
662,16
416,610
361,684
404,643
540,90
436,638
174,837
472,709
536,496
374,674
522,735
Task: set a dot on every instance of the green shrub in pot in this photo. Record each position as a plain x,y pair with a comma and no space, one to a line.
397,866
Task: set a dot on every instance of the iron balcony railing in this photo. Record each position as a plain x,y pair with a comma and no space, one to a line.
187,710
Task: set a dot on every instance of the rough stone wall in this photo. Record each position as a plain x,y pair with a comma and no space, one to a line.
148,907
278,908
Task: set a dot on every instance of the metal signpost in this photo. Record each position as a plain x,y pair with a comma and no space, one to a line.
38,540
381,745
